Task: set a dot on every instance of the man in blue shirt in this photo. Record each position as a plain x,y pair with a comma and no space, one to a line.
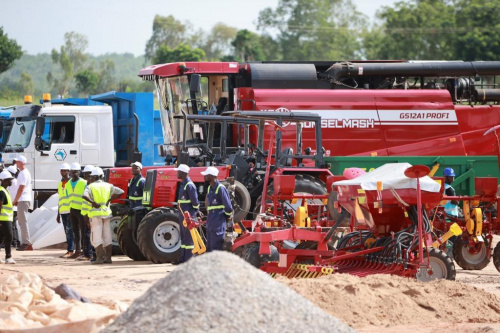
187,202
219,209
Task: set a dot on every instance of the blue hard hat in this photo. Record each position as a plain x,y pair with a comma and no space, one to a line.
449,172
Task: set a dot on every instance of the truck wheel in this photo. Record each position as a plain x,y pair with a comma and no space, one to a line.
303,184
128,241
159,237
114,224
242,201
496,257
252,256
441,265
470,257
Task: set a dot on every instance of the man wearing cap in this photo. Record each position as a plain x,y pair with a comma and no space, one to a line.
74,191
187,202
136,185
99,194
64,209
23,202
219,210
6,215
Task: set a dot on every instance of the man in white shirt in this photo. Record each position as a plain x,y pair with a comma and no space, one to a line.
23,201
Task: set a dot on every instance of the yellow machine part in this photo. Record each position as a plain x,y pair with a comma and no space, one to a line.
199,245
454,230
302,217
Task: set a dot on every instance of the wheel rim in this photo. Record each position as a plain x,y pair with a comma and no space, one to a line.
476,257
167,237
438,268
114,223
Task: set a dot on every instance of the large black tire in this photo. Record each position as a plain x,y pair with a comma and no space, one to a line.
496,257
303,184
242,201
468,261
128,241
441,265
252,256
159,237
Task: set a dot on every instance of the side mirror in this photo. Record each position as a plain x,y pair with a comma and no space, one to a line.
194,83
1,129
38,143
40,126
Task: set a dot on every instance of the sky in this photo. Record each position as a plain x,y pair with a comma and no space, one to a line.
124,26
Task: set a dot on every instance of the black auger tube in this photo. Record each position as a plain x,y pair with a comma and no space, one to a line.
426,69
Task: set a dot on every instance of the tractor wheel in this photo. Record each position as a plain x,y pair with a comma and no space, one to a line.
496,257
159,237
252,256
303,184
127,239
242,201
441,265
114,224
469,257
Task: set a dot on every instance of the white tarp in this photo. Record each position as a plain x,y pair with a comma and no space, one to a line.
392,176
44,229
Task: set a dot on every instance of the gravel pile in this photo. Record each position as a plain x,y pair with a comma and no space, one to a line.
219,292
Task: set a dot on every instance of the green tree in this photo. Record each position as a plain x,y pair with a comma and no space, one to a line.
416,29
10,51
26,84
247,46
314,29
219,42
71,58
106,76
86,81
478,29
183,52
166,31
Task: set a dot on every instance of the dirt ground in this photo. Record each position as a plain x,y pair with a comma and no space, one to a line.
125,280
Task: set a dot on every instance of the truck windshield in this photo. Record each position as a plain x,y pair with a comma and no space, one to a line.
20,134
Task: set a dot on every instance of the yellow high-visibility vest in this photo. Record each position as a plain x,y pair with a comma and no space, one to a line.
7,212
101,193
63,199
76,195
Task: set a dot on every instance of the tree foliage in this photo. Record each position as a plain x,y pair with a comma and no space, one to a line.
10,51
87,81
71,57
166,31
314,29
247,46
218,42
183,52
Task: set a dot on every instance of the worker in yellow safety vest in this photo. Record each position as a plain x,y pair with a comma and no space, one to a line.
6,216
136,186
99,194
64,209
74,191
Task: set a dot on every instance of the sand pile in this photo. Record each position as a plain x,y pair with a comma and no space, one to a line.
26,303
219,292
393,300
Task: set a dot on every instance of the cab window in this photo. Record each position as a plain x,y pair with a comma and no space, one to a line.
59,129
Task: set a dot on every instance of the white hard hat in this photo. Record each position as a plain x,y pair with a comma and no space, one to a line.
65,166
138,164
211,171
20,158
75,166
88,168
183,168
12,169
97,172
6,175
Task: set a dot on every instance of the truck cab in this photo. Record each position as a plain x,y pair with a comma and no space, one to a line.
49,135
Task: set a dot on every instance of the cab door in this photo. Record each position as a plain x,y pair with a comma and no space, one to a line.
59,144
